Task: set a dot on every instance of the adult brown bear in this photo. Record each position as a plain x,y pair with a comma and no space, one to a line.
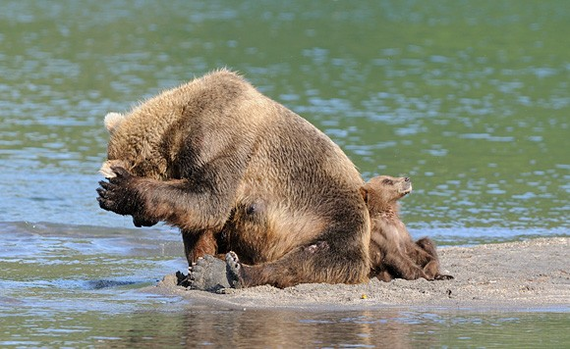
236,171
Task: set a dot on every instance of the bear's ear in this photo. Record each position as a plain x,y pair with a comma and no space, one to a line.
364,193
113,120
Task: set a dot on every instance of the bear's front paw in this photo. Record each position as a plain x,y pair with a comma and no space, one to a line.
119,194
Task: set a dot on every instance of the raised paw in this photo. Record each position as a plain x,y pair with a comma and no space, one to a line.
207,274
118,194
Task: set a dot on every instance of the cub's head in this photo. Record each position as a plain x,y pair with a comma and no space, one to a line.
381,193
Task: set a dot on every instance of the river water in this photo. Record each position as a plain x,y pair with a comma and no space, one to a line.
470,99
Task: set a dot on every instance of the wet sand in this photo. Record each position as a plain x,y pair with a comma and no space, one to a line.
529,275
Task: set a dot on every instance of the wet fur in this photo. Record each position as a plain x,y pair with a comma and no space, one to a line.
236,171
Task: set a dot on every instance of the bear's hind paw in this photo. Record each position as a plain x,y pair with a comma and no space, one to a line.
208,274
233,269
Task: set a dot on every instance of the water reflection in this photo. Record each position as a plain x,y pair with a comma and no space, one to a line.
299,329
276,328
71,286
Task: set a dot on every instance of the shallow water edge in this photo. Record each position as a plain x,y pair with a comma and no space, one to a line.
64,285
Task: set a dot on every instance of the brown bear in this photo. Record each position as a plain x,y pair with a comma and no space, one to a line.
237,171
393,253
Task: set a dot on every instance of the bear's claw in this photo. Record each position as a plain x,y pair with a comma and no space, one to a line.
233,267
116,195
443,277
207,274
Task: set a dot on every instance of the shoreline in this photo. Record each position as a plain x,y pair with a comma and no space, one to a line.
531,275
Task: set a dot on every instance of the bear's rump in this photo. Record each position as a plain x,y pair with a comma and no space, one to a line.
262,230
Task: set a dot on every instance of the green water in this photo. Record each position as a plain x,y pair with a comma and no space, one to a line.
469,98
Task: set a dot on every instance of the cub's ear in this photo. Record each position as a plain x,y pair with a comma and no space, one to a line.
364,193
113,120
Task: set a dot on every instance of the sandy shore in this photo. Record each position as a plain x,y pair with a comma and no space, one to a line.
533,275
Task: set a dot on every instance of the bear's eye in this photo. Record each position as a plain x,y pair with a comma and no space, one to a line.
387,181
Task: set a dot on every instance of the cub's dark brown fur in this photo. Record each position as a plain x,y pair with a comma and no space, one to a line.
393,253
236,171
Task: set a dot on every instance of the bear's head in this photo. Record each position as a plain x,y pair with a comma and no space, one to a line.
381,193
132,146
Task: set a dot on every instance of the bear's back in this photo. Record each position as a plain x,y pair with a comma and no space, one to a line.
150,136
301,185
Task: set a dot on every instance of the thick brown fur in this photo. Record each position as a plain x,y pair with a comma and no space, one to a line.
236,171
393,253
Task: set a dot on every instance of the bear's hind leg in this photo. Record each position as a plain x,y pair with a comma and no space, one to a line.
314,263
425,254
403,265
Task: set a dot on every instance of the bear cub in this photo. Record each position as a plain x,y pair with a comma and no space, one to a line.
393,253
